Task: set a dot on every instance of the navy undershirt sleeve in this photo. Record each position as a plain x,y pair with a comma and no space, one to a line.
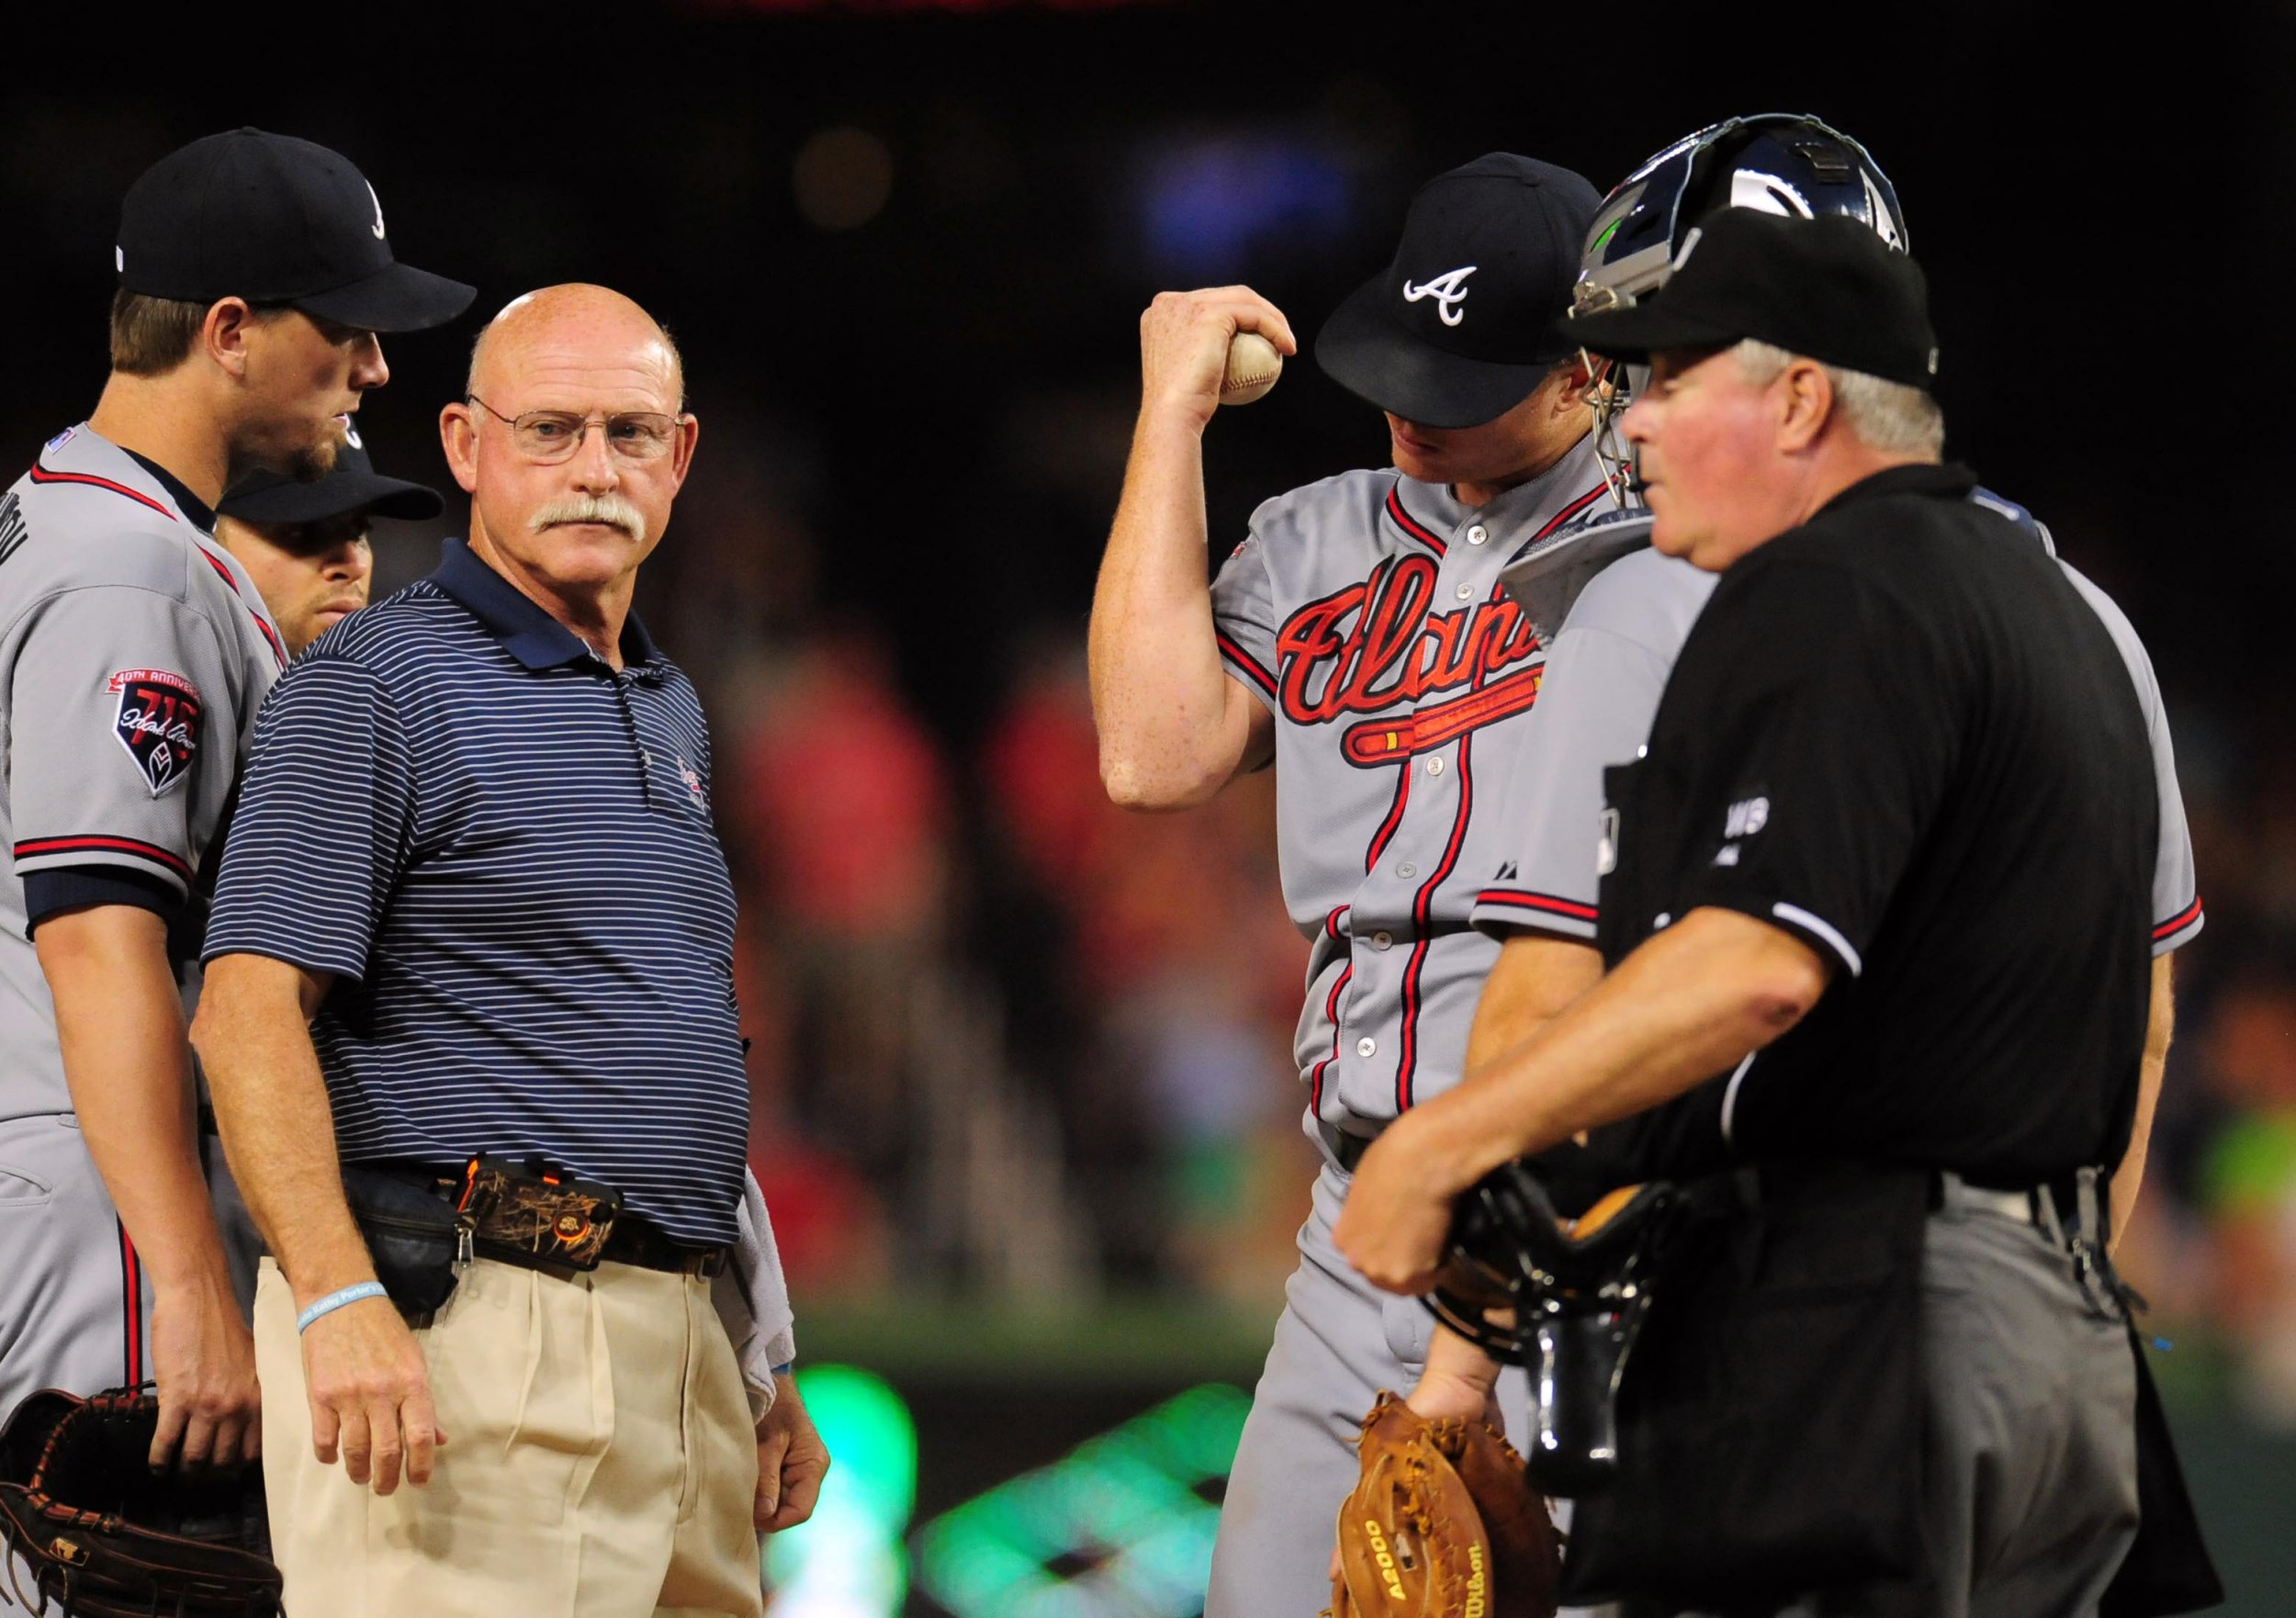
81,887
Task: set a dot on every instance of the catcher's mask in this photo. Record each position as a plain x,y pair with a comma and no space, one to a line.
1777,162
1564,1298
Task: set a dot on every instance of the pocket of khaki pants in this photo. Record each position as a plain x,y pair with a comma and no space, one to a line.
508,1362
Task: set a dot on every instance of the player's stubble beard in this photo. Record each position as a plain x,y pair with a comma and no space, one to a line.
306,462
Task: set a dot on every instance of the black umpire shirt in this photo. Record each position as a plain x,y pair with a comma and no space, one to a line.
1898,733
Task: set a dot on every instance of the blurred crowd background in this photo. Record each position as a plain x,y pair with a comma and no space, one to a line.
1012,1045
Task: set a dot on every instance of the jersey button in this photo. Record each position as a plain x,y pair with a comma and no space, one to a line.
1477,535
1407,870
1382,940
1366,1046
1465,592
1434,767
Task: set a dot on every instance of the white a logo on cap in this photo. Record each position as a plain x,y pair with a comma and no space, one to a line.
351,436
1446,292
378,209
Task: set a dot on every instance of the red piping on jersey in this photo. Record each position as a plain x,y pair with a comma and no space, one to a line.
1331,1011
131,1309
279,649
43,475
1523,899
2178,922
1394,818
1569,512
1244,659
151,851
1421,910
1404,521
1331,923
1423,906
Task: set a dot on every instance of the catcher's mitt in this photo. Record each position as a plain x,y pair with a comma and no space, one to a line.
1443,1524
105,1536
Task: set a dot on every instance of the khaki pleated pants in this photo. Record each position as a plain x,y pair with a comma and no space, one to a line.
601,1462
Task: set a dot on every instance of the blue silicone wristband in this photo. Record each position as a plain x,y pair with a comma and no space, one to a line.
335,1300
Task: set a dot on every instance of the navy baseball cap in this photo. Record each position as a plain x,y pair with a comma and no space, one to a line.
352,486
275,220
1826,289
1461,326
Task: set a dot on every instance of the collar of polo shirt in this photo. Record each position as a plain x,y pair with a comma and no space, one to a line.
527,632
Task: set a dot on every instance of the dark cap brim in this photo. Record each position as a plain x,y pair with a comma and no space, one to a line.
1645,328
1371,357
285,500
397,298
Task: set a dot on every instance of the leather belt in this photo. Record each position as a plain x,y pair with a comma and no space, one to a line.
635,1240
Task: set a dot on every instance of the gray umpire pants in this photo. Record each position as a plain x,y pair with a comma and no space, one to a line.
1339,1342
2029,1429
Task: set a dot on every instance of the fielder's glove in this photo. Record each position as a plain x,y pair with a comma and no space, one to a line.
104,1536
1442,1524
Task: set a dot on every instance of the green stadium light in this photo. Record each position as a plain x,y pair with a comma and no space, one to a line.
848,1562
1121,1511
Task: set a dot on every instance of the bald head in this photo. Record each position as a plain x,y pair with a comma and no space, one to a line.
576,324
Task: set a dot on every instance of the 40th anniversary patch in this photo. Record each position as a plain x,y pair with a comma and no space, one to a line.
157,720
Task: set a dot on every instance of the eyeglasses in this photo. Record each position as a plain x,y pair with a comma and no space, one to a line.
550,436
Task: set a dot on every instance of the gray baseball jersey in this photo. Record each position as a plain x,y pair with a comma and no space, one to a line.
1624,611
133,653
1365,612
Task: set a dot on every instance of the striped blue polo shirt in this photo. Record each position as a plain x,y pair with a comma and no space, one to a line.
502,849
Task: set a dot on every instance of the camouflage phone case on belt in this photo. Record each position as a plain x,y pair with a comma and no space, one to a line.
538,1214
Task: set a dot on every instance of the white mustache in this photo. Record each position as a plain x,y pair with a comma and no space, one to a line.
609,508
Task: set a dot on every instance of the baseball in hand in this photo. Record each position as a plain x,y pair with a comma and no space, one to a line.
1253,366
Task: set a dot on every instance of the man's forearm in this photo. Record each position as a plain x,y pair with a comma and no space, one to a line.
1691,1003
278,1130
1533,978
2160,1027
1160,694
126,1061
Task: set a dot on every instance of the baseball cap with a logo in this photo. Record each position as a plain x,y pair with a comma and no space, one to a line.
1461,326
275,220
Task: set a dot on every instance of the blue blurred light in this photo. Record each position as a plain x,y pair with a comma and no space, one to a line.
1208,206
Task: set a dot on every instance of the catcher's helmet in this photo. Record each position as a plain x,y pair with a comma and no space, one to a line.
1782,163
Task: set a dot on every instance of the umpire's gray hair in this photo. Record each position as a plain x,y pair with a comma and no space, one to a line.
1887,416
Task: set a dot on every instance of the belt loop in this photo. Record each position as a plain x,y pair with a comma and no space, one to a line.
2046,1215
2089,1206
